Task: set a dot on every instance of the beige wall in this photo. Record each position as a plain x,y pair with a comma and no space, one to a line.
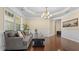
1,19
45,27
52,28
1,29
41,25
71,33
25,21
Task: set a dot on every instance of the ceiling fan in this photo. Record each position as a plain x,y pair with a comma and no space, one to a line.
46,14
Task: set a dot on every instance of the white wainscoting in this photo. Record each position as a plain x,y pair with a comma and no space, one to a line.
2,42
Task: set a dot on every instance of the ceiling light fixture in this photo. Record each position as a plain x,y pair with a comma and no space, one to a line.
46,14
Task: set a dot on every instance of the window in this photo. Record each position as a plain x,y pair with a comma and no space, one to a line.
9,20
17,22
9,25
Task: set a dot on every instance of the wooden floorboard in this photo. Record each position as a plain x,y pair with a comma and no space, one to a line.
69,44
52,43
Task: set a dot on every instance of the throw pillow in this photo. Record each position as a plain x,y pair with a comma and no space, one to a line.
17,35
20,34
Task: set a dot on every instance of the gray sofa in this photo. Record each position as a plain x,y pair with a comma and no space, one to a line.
14,42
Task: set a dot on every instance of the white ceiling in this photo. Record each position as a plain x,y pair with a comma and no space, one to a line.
41,9
37,11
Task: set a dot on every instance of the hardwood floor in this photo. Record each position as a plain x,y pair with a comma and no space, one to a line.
69,44
52,43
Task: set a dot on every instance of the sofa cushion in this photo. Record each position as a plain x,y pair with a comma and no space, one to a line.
20,34
11,35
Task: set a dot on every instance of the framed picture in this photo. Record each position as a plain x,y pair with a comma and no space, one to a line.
71,23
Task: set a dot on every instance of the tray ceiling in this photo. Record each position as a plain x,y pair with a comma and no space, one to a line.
37,11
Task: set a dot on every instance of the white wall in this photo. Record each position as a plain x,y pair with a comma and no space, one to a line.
44,27
52,28
2,45
71,33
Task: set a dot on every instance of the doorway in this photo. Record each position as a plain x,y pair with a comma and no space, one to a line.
58,27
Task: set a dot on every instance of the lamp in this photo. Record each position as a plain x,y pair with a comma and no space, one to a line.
46,14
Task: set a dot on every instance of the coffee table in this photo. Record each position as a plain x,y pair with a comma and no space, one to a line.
38,42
